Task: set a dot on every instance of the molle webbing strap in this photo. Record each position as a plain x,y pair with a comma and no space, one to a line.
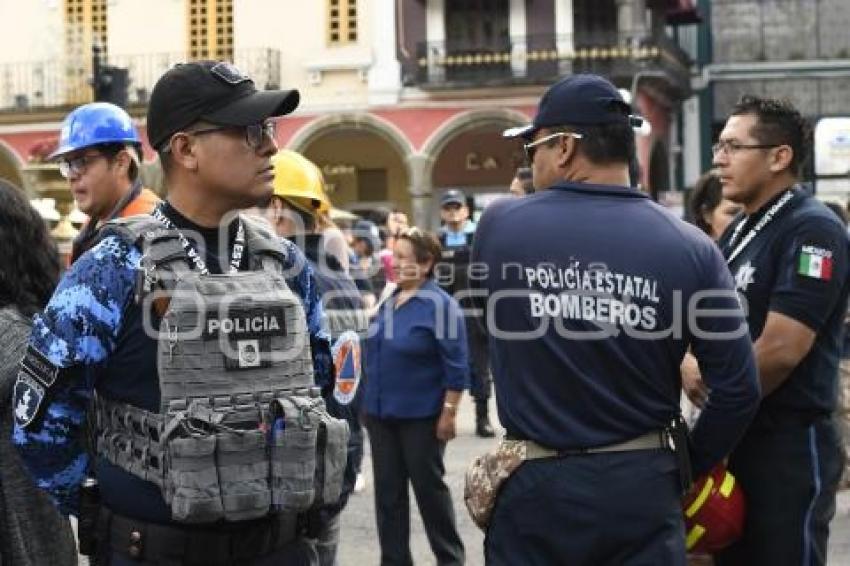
131,438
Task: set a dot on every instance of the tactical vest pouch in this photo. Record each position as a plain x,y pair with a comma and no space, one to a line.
331,458
243,474
293,453
192,485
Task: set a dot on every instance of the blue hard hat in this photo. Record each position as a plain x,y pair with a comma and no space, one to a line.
94,124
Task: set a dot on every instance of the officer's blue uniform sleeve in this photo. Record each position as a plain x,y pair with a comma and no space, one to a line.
720,341
76,332
302,282
452,346
811,273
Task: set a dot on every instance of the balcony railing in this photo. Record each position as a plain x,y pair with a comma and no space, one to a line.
540,58
58,83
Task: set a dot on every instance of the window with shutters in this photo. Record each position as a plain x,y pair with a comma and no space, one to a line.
85,27
342,22
210,24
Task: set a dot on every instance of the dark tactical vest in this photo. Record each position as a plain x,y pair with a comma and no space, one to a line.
452,272
241,429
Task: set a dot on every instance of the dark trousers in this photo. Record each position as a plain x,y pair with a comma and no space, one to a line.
299,553
479,360
789,477
619,508
408,450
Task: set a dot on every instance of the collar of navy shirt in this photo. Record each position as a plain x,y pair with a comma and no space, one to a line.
599,190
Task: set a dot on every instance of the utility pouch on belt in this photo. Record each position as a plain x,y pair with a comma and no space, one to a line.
485,477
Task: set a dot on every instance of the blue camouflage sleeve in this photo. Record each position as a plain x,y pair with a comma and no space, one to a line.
76,332
302,282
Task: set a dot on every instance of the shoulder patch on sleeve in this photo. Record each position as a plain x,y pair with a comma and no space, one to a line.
28,397
37,366
815,262
346,357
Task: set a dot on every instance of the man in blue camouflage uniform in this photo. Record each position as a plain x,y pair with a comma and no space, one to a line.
91,335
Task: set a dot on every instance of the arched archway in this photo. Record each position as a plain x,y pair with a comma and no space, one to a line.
468,152
471,120
363,157
10,165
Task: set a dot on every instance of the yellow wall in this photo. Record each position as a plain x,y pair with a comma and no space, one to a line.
363,150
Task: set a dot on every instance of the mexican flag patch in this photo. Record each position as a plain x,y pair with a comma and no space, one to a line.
815,262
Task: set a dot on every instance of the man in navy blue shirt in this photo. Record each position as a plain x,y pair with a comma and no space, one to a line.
594,294
789,256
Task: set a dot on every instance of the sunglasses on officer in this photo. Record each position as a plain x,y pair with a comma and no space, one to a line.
255,134
531,148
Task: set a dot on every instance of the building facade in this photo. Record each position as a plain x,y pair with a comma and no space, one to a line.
401,99
794,49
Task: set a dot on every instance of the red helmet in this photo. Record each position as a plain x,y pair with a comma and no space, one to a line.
714,512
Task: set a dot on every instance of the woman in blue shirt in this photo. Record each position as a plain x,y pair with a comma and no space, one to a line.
416,363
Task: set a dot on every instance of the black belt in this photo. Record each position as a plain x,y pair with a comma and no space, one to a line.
227,544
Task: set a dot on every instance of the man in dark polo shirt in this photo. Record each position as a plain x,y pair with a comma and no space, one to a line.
585,278
788,254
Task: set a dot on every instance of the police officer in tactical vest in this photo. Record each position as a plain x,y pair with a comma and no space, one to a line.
453,276
190,343
294,210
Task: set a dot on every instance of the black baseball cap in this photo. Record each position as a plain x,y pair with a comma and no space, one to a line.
581,100
453,196
213,91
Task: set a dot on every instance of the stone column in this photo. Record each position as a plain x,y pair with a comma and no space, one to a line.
420,188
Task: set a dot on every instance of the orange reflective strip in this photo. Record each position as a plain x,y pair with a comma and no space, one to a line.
700,500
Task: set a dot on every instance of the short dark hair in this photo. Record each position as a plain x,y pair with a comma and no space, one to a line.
111,150
604,144
706,196
29,262
426,246
525,178
778,122
165,161
307,219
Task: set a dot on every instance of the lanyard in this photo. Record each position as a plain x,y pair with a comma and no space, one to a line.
192,251
764,221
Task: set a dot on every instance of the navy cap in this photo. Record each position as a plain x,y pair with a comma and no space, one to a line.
453,196
581,100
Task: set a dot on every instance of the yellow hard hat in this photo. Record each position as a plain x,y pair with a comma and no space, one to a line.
299,181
